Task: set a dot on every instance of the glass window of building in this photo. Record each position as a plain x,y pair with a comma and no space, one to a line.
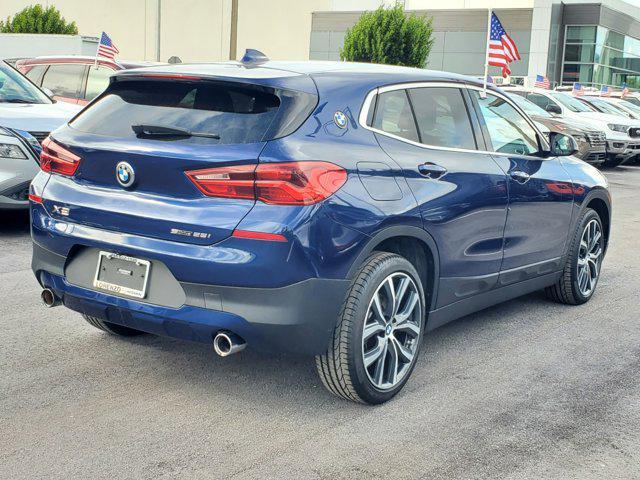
595,56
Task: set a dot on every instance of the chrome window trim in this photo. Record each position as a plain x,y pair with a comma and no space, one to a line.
364,112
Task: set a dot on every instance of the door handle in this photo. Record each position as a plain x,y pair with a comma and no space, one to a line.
520,176
431,170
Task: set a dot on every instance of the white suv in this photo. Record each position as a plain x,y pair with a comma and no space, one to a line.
623,134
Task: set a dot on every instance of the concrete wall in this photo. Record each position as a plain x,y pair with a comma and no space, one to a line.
460,37
279,28
194,30
355,5
29,45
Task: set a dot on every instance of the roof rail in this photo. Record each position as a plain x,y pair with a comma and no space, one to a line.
253,57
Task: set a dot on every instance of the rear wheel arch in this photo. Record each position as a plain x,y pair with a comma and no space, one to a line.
603,210
412,243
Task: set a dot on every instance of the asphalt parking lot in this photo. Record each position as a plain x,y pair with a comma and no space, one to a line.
528,389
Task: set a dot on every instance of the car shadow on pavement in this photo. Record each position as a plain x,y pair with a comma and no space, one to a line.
252,377
14,222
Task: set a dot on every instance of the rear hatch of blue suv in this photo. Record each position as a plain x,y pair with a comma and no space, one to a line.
136,215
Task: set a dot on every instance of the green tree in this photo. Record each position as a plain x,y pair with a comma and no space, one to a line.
387,35
36,19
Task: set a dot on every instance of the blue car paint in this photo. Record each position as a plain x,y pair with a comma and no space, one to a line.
479,220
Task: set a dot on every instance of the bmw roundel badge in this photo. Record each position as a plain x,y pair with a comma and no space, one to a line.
340,119
125,174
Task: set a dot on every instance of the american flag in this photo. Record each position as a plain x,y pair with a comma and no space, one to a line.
106,48
625,90
542,82
605,91
502,49
577,89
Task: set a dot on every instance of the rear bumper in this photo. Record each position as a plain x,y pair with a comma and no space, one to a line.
297,318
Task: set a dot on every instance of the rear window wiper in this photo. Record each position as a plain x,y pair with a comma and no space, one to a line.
151,131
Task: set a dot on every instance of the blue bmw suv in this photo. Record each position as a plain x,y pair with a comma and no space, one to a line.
335,210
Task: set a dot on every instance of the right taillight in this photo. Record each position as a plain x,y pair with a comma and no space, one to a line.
54,158
290,183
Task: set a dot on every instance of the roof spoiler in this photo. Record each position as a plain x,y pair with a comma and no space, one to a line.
253,57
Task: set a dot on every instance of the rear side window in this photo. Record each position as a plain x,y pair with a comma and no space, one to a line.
64,80
442,116
35,74
234,112
97,81
393,115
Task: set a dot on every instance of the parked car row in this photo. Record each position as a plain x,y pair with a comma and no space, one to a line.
621,130
27,115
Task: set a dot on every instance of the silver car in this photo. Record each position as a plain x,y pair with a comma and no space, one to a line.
27,115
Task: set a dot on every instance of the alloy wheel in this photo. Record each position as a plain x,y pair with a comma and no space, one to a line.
391,331
589,257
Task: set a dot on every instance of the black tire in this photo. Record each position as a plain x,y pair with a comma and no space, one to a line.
566,290
112,328
342,368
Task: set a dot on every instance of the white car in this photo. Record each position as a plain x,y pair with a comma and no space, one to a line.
623,134
27,115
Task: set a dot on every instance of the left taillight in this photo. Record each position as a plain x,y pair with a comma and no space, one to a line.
54,158
290,183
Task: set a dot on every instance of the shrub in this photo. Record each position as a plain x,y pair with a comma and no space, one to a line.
36,19
387,35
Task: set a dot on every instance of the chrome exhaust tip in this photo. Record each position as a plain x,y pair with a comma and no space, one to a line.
49,298
227,343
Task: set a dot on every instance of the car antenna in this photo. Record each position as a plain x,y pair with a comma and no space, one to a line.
253,57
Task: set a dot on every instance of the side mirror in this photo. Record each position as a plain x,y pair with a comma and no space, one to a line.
562,145
553,108
47,91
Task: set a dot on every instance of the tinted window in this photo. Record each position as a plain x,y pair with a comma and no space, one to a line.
393,115
35,74
442,117
508,130
97,81
237,113
571,103
528,106
539,100
64,80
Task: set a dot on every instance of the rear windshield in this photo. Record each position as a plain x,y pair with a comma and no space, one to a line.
221,112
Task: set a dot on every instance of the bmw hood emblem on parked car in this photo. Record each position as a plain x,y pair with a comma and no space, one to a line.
340,119
125,174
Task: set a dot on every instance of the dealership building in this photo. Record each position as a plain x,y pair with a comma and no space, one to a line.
567,41
590,43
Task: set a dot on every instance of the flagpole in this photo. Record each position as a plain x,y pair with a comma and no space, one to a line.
486,55
95,62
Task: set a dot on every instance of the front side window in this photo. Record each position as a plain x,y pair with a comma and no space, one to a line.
508,130
442,117
528,106
64,80
393,115
540,100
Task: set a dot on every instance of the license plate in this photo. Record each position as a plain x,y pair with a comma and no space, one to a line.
122,274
